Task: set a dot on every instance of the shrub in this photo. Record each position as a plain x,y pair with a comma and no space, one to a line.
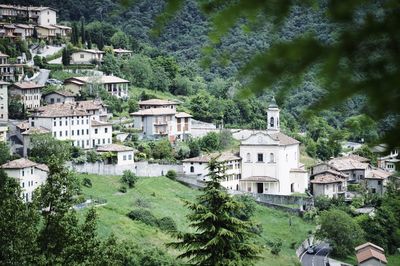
293,245
129,178
123,189
276,246
92,156
87,182
144,216
167,224
171,174
142,203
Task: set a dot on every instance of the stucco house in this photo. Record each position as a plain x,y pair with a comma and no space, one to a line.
122,155
10,72
158,118
30,175
24,30
369,254
328,185
46,32
87,56
59,97
197,167
113,85
29,93
4,101
119,52
389,162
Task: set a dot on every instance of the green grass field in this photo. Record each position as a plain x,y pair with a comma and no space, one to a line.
165,198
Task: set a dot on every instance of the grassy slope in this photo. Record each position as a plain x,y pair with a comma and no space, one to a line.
168,202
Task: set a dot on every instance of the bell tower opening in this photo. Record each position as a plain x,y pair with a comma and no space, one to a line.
273,117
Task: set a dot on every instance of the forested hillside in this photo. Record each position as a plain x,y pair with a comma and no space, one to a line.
172,63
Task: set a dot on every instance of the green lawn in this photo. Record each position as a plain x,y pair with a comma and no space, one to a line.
165,198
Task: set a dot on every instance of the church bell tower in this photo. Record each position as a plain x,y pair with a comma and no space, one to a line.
273,117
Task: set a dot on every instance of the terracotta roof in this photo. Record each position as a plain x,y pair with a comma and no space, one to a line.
284,139
46,27
90,104
3,55
98,79
92,51
23,125
43,167
359,158
326,179
182,115
259,179
330,171
62,93
157,102
369,251
27,85
301,170
154,111
36,130
24,26
377,173
18,164
95,123
60,110
223,157
114,148
346,163
62,27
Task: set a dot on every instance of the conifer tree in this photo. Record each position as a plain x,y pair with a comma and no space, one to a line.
83,33
75,34
219,238
66,57
89,41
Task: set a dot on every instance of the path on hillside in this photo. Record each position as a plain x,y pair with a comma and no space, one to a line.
319,258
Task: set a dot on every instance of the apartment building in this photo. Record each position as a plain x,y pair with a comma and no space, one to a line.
29,93
38,15
10,72
159,118
4,101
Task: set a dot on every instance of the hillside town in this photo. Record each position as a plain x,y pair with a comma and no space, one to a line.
62,91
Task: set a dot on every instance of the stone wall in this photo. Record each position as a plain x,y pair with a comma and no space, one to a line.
154,169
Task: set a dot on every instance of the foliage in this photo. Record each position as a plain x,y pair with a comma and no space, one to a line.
129,178
123,189
167,224
220,237
16,108
5,154
248,207
171,174
276,246
366,152
46,148
144,216
341,230
210,142
87,182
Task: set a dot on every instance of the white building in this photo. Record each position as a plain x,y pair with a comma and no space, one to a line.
122,155
39,15
270,160
159,118
328,185
8,71
113,85
70,121
3,132
87,56
29,93
3,101
30,175
389,162
23,30
197,167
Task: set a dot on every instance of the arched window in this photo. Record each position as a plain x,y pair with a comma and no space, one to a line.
192,169
271,157
271,122
248,157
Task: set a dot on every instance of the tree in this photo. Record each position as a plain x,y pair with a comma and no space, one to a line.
66,56
82,31
75,34
16,108
120,40
194,147
46,148
210,142
5,154
129,178
162,150
219,237
362,128
18,225
35,34
341,230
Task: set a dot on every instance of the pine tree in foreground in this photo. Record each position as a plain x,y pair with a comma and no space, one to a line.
220,238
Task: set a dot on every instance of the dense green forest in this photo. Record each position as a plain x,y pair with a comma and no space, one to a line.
174,61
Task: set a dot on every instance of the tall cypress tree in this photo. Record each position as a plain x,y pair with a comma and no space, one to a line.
66,57
82,32
89,41
219,238
74,34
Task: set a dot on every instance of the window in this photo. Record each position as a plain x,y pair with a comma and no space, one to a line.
66,122
192,169
55,123
83,132
95,131
82,56
271,157
31,171
248,157
55,134
124,157
104,141
130,157
60,122
23,184
60,133
105,130
271,122
66,133
260,157
23,173
72,132
87,131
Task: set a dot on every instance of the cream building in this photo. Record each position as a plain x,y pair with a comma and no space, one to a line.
30,175
270,160
113,85
87,56
10,72
29,93
197,167
39,15
59,97
4,101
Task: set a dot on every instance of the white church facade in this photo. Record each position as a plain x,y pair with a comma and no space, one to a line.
269,160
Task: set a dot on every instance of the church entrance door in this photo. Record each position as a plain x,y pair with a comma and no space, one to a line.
260,187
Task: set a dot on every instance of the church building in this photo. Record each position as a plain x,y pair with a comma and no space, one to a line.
270,160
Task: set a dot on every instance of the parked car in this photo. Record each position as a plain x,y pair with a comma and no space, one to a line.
311,249
54,82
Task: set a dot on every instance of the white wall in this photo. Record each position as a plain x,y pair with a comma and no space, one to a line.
47,17
3,103
125,158
56,98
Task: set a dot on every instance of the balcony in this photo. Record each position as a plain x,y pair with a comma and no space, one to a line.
160,123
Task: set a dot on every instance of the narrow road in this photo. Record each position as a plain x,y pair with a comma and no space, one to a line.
43,76
319,258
